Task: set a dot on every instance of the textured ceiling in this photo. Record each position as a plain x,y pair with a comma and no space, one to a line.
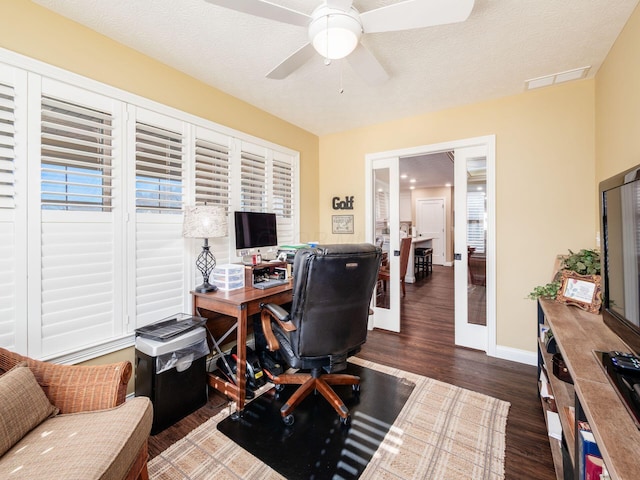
502,44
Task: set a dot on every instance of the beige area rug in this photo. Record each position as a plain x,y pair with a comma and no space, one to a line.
443,432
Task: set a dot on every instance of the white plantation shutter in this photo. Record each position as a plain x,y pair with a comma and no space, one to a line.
80,270
78,306
13,213
253,179
159,246
212,182
8,267
212,169
76,156
8,282
7,156
283,196
268,182
159,274
159,169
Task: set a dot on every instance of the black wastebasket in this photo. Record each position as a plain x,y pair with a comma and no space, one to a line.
173,374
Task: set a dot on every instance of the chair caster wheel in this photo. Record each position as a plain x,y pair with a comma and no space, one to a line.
279,387
345,422
288,420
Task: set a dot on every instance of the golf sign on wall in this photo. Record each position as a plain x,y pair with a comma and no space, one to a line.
342,223
346,204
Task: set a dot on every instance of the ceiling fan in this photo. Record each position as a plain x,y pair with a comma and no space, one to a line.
335,28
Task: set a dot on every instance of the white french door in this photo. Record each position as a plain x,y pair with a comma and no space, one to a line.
468,152
468,333
383,210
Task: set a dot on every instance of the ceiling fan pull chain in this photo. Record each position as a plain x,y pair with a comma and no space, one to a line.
341,70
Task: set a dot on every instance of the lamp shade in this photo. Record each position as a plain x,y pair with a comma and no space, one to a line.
204,221
333,33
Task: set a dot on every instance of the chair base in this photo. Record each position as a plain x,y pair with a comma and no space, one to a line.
310,383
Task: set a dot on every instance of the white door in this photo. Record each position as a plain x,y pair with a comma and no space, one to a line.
383,207
469,162
430,222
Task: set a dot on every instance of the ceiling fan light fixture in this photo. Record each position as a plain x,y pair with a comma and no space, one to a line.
334,33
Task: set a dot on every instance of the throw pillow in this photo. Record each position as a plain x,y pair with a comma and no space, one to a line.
23,405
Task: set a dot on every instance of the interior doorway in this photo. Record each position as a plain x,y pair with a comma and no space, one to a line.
430,221
477,295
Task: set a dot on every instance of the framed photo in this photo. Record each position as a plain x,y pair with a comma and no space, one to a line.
583,291
342,223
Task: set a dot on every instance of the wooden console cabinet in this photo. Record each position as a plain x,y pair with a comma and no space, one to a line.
578,334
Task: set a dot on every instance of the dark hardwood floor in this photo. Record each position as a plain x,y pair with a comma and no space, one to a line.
425,346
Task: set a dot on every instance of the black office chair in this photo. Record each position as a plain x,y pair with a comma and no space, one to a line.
332,290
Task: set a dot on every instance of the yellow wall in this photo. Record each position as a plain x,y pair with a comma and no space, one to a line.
618,104
545,146
38,33
544,183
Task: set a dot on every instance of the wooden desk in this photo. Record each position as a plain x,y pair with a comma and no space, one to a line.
240,304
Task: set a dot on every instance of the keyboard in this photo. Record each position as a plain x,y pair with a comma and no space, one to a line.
270,283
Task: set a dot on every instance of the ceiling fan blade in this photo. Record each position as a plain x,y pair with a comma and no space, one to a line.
415,14
293,62
367,66
265,9
343,5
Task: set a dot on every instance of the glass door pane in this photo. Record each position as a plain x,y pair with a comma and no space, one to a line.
477,240
382,234
385,188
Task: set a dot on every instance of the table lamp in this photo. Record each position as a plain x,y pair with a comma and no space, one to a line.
205,221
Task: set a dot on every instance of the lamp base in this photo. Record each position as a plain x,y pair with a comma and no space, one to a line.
206,287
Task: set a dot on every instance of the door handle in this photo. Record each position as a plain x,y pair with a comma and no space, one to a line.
457,256
396,253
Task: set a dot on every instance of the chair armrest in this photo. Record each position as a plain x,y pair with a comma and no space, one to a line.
76,388
274,312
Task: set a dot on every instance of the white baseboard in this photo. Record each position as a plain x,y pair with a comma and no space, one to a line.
516,355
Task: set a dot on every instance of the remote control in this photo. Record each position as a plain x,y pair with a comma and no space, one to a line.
621,354
626,364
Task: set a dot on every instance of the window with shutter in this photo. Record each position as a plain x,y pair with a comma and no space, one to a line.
211,173
84,261
253,180
160,280
76,159
159,166
7,131
283,197
79,287
8,250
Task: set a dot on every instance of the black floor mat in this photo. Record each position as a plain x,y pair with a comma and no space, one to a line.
317,446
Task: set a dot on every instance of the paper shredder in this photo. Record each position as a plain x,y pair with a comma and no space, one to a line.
173,375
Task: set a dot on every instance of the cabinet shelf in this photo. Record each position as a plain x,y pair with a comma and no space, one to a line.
564,395
578,334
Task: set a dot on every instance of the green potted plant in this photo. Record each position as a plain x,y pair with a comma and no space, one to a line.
584,262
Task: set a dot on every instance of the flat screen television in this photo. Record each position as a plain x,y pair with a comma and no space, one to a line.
255,230
620,245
